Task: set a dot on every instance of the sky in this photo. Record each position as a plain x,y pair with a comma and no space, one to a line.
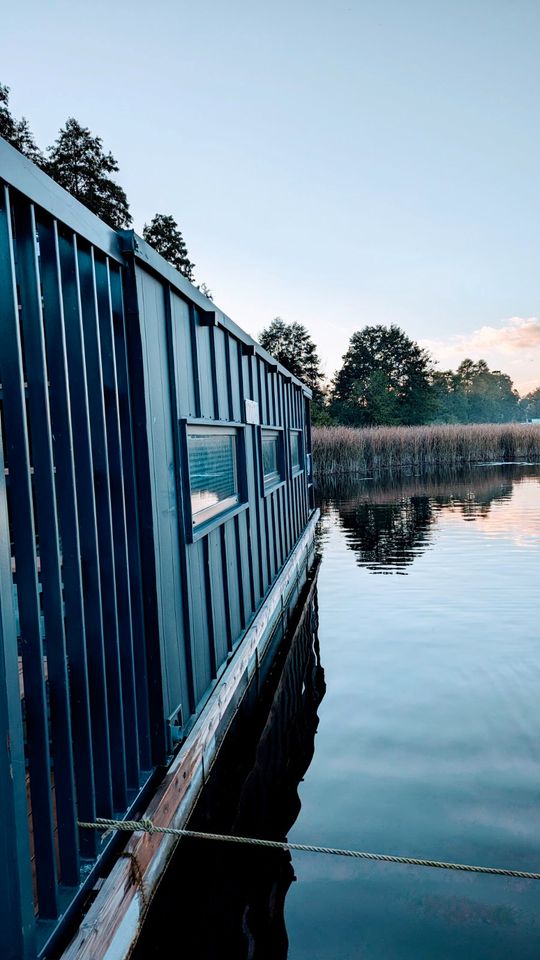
336,164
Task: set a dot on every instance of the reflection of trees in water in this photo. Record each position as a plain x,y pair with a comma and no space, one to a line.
219,900
389,520
387,535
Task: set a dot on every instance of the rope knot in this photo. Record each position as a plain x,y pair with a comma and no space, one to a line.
147,826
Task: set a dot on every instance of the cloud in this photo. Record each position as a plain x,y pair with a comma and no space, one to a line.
518,333
513,347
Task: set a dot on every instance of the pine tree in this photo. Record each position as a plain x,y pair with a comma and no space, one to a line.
292,346
163,235
17,132
78,163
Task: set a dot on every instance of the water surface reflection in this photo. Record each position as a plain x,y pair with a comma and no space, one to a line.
429,736
219,900
391,520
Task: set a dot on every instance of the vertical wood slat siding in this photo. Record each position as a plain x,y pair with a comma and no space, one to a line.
126,616
140,662
163,497
23,528
92,353
126,659
17,935
30,302
218,599
68,521
84,475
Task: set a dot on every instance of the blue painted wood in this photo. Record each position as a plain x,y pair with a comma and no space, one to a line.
140,611
105,341
177,333
17,930
88,538
69,524
17,454
131,519
85,266
31,325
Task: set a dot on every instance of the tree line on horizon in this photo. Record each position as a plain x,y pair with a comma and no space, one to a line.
387,379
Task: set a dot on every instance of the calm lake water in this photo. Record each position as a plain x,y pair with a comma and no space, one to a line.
415,725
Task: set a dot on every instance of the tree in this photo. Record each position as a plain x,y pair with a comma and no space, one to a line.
385,376
490,394
17,132
164,236
449,399
530,405
78,163
292,346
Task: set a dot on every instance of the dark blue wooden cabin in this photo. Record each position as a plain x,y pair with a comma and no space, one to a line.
155,475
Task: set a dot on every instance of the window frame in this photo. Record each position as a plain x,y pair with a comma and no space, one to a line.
197,525
299,467
271,482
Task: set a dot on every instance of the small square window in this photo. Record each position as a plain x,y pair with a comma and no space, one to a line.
213,471
296,450
271,457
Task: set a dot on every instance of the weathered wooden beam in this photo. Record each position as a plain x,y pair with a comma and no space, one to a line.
112,923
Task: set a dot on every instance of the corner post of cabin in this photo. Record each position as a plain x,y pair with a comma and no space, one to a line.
139,408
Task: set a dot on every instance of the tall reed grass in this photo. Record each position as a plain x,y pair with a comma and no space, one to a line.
346,450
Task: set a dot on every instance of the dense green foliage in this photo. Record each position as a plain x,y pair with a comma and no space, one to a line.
474,394
384,380
292,346
163,234
387,379
78,163
530,405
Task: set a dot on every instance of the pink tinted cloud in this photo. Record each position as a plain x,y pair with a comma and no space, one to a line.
518,333
513,347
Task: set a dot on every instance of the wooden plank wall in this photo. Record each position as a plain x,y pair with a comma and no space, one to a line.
197,371
106,355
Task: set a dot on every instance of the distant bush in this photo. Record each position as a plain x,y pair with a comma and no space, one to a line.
342,450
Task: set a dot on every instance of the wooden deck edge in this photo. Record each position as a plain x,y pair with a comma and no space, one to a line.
110,928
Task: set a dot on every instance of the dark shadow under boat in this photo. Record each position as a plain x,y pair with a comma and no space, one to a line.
227,900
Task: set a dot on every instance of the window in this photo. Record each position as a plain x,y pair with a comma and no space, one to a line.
213,471
296,450
271,457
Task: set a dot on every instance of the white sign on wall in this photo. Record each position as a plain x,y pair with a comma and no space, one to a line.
252,411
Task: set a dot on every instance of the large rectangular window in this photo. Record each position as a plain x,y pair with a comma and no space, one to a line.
271,457
213,471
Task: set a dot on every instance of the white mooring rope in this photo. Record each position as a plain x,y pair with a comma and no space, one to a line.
146,826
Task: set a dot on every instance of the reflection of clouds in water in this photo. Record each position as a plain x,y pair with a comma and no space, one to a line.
390,522
505,823
517,518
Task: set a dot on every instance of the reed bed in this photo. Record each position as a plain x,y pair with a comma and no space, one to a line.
346,450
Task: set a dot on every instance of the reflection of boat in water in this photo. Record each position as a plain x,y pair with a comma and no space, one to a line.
225,900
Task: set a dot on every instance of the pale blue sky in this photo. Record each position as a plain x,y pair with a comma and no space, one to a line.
334,163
